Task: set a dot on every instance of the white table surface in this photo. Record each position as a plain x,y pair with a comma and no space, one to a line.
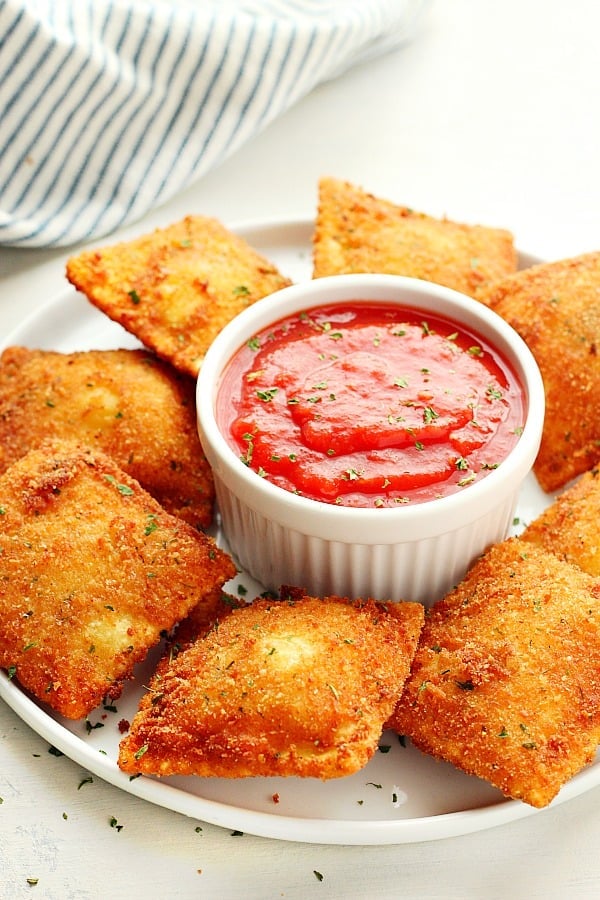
490,116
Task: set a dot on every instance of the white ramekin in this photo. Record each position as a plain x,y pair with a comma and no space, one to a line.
413,552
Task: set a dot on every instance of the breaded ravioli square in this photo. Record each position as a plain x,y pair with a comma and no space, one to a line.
555,307
505,683
126,403
570,526
92,570
177,287
358,232
281,687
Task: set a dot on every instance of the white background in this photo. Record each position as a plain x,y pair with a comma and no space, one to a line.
491,115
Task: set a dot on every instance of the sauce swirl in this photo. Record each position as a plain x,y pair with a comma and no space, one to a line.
370,404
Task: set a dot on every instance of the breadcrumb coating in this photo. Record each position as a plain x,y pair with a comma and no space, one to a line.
570,526
505,683
92,571
176,288
127,403
358,232
298,686
555,307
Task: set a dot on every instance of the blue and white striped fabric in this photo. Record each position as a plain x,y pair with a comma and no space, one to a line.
109,107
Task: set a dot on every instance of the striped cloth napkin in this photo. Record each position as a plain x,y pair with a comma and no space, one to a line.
109,107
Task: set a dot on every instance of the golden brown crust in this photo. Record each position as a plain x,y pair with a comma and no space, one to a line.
570,527
290,687
197,623
358,232
177,287
126,403
506,679
92,570
555,307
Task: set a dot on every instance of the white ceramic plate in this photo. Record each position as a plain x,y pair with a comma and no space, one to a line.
402,795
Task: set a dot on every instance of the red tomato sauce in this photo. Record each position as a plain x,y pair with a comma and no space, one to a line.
369,404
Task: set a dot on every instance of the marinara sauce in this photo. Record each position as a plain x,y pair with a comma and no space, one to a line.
370,404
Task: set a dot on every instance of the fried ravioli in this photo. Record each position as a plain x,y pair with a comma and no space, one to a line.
92,570
570,526
177,287
555,307
358,232
126,403
506,680
291,687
